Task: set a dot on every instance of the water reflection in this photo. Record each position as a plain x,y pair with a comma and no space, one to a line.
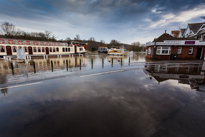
190,74
39,68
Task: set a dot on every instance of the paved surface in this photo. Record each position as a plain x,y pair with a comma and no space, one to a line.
132,101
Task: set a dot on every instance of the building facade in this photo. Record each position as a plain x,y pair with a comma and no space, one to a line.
167,47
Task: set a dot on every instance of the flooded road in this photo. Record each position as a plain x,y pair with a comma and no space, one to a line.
141,99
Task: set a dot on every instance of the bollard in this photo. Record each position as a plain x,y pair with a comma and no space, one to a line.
129,60
92,63
80,64
52,65
67,65
34,67
12,68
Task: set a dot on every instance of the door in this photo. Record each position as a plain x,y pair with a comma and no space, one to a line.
30,51
47,50
198,54
8,50
75,49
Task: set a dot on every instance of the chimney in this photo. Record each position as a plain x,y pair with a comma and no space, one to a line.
165,31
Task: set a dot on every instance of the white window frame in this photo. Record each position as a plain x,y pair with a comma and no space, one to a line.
161,48
149,51
191,48
179,50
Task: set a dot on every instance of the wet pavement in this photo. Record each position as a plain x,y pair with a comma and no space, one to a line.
141,99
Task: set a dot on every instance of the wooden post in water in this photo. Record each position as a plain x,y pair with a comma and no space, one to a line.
12,68
102,62
34,66
129,60
92,63
112,62
121,61
67,64
80,64
52,65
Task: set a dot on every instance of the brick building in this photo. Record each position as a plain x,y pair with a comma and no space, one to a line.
167,47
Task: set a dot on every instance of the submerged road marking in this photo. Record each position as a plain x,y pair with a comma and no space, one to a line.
108,72
22,85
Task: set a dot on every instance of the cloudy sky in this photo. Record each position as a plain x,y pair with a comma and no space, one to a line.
124,20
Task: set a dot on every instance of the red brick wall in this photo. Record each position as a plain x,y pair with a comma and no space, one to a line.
185,52
183,56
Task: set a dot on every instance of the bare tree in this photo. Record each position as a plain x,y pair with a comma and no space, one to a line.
7,28
135,44
68,39
102,43
48,34
77,37
91,39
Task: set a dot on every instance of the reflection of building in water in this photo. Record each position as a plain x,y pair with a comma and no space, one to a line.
60,62
191,74
115,58
4,91
41,64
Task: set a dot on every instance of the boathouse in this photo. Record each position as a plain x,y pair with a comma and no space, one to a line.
167,47
8,47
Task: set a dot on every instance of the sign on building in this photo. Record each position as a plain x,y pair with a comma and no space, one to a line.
21,54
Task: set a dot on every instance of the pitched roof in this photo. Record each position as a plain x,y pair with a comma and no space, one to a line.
195,26
166,36
182,31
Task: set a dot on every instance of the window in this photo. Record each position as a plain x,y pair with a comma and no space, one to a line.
25,48
2,49
68,49
57,49
63,50
179,51
163,50
39,49
34,49
14,49
50,49
158,50
54,49
149,51
43,50
190,50
81,49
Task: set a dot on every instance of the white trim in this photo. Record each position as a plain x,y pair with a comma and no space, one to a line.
191,51
201,52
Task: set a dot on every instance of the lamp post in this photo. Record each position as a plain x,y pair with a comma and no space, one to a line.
203,17
154,48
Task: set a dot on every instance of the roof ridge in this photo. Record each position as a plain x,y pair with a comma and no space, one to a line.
197,23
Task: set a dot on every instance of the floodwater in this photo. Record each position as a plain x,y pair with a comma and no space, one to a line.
141,99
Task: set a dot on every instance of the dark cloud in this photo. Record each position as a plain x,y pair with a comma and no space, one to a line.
101,15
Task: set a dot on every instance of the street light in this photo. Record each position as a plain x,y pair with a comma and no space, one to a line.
203,17
154,48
